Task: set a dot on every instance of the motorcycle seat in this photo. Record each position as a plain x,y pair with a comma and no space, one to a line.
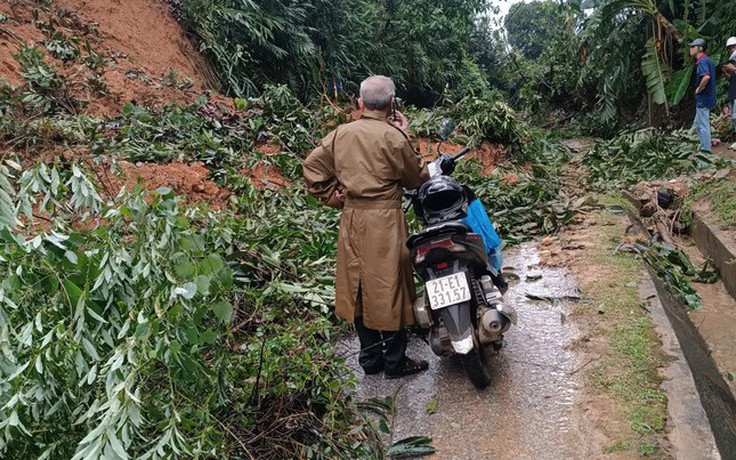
454,227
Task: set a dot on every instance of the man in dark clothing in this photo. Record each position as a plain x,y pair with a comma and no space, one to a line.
705,93
730,70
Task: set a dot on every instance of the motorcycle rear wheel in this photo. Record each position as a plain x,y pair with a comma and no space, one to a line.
474,365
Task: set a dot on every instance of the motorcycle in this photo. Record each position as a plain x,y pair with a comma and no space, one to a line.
462,308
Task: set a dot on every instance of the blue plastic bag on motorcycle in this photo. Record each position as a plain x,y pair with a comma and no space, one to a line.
479,222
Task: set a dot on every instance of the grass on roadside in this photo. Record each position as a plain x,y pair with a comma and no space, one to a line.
628,372
722,197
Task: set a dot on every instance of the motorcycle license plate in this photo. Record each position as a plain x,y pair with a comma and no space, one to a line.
448,290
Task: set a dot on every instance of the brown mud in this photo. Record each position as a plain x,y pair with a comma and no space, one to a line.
189,180
147,58
142,32
487,154
18,31
264,176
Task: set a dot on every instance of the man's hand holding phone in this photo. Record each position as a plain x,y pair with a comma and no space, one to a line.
399,120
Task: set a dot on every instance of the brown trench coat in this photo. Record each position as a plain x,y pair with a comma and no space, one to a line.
371,160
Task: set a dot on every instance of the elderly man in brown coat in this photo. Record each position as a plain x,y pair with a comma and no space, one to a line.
362,167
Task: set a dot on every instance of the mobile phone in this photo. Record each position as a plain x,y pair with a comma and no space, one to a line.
395,107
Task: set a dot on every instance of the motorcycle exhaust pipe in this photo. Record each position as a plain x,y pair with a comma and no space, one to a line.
421,312
494,323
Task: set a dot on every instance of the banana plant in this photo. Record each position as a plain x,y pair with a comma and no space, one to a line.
654,71
656,64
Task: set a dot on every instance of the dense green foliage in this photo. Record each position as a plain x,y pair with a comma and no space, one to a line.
645,155
531,204
642,155
604,58
135,327
531,27
603,63
315,45
147,330
166,332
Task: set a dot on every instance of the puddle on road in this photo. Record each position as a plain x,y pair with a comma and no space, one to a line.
528,411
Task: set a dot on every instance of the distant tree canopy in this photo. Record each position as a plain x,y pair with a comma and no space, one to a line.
530,26
486,48
422,44
611,60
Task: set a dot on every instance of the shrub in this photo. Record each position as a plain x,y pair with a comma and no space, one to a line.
44,91
162,332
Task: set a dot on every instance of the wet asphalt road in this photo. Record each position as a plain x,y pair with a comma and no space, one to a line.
529,410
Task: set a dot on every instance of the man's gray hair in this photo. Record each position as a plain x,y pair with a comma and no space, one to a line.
377,91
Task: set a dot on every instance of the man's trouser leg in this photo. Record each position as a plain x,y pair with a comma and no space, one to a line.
371,349
732,107
394,355
702,126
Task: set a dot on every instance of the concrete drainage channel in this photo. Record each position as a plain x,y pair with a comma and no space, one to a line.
689,429
715,395
714,243
716,398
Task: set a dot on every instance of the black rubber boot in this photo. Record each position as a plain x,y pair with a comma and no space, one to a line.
371,348
394,355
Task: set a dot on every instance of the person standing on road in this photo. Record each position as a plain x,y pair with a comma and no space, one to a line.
361,167
730,69
705,92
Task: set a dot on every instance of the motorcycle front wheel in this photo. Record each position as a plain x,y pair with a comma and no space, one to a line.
475,368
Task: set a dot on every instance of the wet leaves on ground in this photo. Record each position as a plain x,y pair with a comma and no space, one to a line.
413,446
432,405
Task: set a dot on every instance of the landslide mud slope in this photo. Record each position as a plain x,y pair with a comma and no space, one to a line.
147,58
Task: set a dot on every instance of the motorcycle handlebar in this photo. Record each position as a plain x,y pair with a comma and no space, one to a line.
461,154
410,194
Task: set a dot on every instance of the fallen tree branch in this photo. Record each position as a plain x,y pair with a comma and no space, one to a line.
11,34
581,367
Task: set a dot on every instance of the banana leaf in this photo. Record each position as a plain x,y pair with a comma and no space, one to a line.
679,83
654,73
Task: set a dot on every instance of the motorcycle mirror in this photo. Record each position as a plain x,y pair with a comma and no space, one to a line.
447,126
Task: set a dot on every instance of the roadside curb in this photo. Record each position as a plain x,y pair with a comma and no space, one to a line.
688,428
715,397
712,242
